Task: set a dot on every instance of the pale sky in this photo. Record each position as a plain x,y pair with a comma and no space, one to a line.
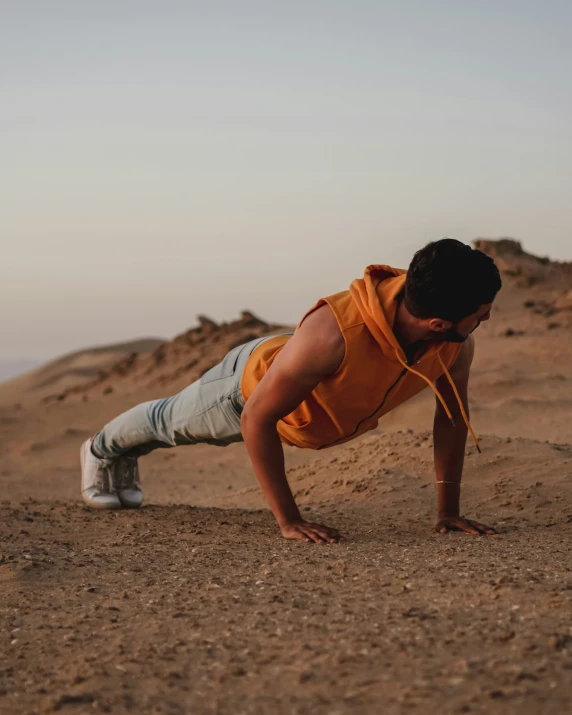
167,158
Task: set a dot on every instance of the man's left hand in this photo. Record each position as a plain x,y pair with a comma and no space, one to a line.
459,523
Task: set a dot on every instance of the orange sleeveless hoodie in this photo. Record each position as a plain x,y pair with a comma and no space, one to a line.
374,376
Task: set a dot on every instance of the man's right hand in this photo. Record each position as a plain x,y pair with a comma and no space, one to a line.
310,532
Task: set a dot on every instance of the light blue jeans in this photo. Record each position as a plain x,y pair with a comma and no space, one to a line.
207,411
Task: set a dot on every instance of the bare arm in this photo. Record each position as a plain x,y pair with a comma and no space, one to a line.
315,351
449,447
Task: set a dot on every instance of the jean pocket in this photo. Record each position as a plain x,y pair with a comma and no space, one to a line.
226,368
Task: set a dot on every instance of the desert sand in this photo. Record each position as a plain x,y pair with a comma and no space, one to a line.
194,604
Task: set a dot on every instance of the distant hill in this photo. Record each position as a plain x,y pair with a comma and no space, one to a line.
12,368
72,369
175,364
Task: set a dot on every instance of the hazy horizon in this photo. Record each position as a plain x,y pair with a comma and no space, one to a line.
162,160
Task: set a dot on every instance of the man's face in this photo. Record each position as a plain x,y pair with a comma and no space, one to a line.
449,332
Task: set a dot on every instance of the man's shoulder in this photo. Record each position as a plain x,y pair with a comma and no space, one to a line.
323,325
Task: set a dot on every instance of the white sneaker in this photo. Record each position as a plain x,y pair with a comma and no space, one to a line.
126,482
97,479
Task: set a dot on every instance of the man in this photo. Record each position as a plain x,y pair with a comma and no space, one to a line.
354,356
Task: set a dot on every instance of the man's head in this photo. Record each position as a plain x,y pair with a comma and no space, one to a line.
450,288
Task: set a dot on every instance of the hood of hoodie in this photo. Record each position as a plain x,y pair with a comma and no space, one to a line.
376,296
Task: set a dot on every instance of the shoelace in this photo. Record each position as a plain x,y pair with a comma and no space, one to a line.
125,472
104,477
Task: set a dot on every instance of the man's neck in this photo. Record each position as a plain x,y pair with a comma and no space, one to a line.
406,328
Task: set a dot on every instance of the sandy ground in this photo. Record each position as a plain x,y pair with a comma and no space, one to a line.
185,609
194,604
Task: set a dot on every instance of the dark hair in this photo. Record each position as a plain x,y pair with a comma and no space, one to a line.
450,280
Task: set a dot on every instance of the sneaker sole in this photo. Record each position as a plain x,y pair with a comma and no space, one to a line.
101,505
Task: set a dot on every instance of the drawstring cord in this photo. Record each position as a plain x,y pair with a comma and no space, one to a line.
439,396
461,406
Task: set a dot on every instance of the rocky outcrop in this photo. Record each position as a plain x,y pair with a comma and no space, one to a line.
529,270
178,362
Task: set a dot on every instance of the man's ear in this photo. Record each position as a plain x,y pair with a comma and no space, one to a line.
437,325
